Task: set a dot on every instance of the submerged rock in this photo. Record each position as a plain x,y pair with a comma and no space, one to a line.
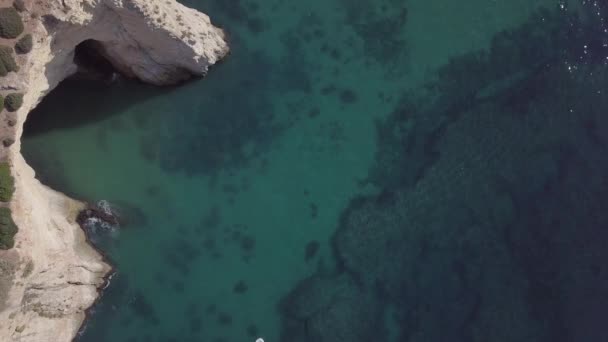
96,213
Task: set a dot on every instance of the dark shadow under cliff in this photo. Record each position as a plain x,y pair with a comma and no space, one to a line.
96,92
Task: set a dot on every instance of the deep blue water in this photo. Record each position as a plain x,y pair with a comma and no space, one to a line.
374,170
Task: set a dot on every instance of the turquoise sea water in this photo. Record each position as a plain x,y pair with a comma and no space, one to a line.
355,170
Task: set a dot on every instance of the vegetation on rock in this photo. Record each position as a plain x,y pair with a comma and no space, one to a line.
13,102
8,229
7,182
19,5
7,61
11,25
24,45
1,103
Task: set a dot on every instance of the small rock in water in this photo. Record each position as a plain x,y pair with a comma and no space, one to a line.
98,212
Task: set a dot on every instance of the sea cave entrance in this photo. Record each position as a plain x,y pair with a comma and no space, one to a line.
97,92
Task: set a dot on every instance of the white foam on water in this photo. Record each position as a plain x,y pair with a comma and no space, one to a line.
105,206
96,226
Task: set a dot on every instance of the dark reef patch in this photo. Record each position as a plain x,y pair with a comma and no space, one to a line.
143,309
323,308
85,94
381,27
488,222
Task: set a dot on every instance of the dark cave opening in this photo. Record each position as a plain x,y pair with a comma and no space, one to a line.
95,92
92,62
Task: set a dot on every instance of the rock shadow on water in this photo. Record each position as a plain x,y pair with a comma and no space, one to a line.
81,100
77,102
50,169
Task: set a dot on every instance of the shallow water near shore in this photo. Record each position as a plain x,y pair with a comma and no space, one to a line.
388,170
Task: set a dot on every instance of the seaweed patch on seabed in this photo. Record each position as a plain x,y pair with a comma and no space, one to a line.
180,255
232,124
497,233
381,27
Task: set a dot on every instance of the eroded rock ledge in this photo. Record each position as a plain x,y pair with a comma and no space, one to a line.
52,275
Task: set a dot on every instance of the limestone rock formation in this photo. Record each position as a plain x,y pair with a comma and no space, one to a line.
51,276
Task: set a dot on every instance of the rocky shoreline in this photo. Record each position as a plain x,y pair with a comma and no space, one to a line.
85,214
51,276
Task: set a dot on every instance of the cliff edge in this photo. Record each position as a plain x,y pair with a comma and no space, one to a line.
50,275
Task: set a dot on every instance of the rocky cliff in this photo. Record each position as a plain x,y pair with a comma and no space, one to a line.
51,275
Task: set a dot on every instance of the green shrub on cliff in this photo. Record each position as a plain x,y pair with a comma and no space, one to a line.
8,229
13,102
24,45
7,182
11,25
7,61
1,103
